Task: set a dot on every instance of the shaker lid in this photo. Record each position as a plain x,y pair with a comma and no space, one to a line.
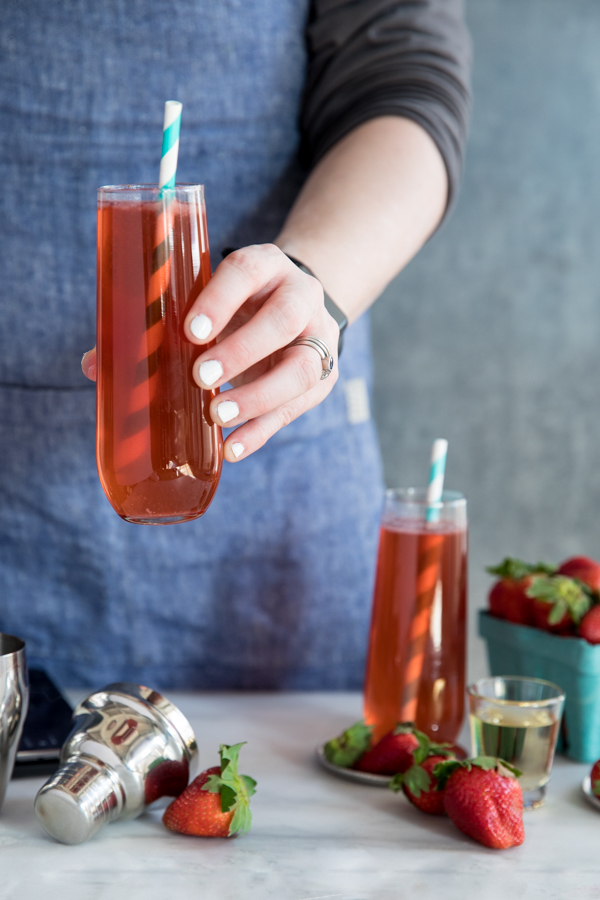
78,800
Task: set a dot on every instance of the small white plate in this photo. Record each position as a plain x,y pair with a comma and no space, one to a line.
586,787
352,774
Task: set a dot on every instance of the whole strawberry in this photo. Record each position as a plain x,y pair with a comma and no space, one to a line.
484,800
216,803
595,778
421,787
589,627
508,597
393,753
398,750
559,603
583,569
345,749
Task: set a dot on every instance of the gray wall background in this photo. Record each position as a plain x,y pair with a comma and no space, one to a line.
491,336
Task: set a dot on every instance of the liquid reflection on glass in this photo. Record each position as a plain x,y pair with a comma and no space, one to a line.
518,719
159,454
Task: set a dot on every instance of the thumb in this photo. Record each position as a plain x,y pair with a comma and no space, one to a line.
88,364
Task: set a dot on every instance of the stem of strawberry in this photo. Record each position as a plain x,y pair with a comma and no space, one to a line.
235,789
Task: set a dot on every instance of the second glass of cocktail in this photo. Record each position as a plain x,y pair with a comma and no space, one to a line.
416,658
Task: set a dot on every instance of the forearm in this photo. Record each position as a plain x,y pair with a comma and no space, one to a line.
366,209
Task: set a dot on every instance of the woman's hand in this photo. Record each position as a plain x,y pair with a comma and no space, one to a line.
255,305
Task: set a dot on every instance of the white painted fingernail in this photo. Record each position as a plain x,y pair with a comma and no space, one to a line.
210,371
228,410
237,449
201,327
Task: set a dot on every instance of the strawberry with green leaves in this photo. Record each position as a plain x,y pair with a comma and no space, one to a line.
508,598
216,803
347,748
484,800
559,603
420,785
398,750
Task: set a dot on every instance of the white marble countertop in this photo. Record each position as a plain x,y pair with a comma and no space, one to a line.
314,836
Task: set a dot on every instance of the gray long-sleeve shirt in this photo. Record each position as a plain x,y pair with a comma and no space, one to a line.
371,58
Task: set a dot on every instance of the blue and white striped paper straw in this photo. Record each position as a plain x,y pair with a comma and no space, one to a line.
149,352
439,452
170,145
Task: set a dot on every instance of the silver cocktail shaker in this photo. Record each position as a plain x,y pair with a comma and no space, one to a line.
14,699
129,746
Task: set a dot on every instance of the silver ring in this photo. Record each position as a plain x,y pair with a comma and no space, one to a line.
321,348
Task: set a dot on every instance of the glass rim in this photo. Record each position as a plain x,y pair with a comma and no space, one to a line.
473,691
417,497
147,188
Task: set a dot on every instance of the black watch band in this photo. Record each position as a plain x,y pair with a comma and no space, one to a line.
332,308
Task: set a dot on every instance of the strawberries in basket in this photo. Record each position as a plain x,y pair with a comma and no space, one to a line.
508,598
564,600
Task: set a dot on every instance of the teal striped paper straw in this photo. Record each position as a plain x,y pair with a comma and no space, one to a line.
439,452
170,145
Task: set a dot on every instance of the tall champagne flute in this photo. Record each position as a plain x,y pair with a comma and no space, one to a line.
159,454
416,660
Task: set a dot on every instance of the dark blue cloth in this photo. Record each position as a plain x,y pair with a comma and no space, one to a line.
271,588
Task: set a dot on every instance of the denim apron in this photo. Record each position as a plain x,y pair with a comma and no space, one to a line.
271,588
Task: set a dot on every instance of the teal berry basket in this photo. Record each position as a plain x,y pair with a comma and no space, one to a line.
569,662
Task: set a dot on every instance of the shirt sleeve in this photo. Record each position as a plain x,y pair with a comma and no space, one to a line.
371,58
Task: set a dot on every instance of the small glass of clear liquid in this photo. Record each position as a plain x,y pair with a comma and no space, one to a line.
517,719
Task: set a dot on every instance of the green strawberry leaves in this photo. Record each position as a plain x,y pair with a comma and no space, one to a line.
427,747
596,788
415,779
235,789
566,595
405,728
515,569
485,762
444,770
348,747
345,749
